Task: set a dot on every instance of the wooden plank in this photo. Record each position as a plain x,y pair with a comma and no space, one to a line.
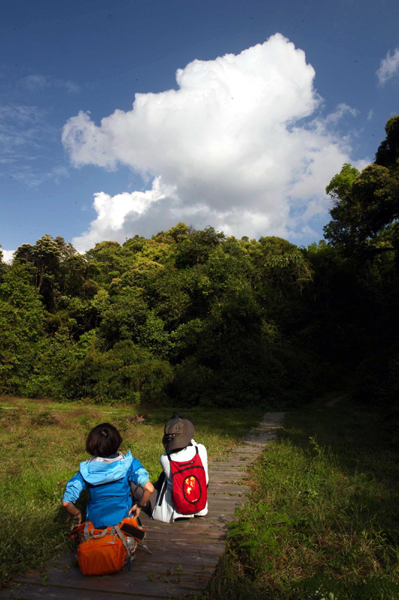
195,525
159,568
174,553
125,579
227,487
68,562
232,474
207,531
168,546
220,501
230,492
151,590
227,501
231,470
181,557
237,460
227,467
244,453
224,484
247,450
217,497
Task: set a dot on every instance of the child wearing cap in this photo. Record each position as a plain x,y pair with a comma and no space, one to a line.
180,447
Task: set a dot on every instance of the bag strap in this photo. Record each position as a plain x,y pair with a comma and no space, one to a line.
123,540
133,531
162,492
87,535
196,451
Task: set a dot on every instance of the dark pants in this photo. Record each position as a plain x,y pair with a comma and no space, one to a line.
137,494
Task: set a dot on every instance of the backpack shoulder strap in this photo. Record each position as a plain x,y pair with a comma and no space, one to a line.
123,540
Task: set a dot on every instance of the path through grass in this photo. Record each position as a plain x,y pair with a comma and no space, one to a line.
322,522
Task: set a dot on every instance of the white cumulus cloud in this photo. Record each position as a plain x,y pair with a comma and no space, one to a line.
7,255
389,67
232,147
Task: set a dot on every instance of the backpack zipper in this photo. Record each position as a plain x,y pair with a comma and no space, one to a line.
187,469
186,463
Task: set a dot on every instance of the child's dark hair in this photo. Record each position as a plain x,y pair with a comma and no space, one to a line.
104,440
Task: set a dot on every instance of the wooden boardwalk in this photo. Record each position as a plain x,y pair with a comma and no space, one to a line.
184,554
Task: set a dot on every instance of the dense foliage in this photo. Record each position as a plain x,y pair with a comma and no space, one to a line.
201,318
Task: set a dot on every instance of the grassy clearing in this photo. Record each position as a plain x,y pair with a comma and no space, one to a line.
323,518
42,444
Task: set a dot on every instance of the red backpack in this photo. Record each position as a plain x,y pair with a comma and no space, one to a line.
189,492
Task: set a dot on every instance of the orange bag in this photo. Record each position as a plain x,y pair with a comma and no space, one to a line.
105,551
101,556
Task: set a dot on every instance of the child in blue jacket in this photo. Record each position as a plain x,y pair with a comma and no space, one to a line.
107,475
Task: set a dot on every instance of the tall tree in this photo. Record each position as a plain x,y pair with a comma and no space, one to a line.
366,205
21,328
44,260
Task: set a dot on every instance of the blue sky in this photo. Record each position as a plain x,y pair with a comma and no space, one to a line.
245,142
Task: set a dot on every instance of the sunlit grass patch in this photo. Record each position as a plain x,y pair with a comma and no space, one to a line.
322,520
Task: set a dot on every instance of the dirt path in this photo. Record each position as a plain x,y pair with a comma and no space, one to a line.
185,553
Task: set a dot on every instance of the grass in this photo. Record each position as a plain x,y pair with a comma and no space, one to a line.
322,521
42,444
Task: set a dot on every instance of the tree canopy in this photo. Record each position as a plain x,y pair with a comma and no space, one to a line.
196,317
366,204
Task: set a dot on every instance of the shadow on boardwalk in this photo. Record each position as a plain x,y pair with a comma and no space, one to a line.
184,555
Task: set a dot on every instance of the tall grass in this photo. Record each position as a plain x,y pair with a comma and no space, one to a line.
322,521
41,446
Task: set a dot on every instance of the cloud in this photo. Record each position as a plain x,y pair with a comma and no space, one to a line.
38,82
7,255
236,146
22,126
389,67
25,136
33,178
341,110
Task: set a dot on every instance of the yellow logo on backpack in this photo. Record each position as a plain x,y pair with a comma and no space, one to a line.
105,551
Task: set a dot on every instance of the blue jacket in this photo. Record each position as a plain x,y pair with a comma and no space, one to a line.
108,482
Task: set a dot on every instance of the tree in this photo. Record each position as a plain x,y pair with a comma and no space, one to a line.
343,212
388,151
44,260
3,266
197,246
21,329
366,204
105,258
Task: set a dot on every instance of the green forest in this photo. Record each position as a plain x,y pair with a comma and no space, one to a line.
195,318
